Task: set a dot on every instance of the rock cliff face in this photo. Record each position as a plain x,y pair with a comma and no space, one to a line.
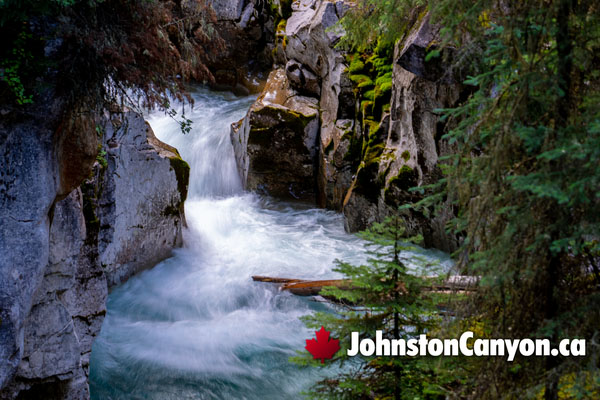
62,246
364,164
140,195
248,30
411,133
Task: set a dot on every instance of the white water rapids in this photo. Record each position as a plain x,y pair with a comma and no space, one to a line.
196,326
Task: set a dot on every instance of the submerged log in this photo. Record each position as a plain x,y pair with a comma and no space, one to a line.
313,288
301,287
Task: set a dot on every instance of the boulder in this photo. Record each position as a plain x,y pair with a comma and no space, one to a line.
276,143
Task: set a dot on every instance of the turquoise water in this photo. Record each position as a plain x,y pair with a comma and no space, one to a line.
196,326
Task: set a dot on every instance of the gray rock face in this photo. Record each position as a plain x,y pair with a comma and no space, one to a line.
313,78
248,30
413,142
70,298
28,187
276,143
139,225
228,10
53,288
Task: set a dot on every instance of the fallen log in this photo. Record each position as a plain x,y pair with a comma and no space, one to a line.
313,288
268,279
301,287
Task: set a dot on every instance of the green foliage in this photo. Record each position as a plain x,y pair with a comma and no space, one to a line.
524,180
86,53
11,66
378,21
385,295
101,157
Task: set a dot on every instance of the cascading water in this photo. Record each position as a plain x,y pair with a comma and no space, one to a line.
196,326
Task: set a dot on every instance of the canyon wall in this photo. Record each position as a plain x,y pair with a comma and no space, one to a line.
360,162
85,202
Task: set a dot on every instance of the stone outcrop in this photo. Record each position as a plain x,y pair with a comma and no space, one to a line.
365,164
247,28
57,256
412,136
276,143
309,77
141,194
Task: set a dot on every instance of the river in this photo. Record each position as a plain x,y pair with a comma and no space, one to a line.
196,326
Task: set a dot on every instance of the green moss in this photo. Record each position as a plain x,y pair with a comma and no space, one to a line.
364,107
361,80
281,27
356,66
101,157
284,42
281,8
406,178
405,155
370,95
384,79
182,172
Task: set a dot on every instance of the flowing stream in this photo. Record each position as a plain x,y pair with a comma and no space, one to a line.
196,326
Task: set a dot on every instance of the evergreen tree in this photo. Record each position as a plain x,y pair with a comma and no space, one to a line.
525,180
383,295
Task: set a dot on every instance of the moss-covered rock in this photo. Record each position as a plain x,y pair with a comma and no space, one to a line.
276,145
182,173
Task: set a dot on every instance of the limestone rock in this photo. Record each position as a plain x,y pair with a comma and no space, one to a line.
140,210
28,187
302,79
312,34
413,143
276,143
248,30
52,287
228,10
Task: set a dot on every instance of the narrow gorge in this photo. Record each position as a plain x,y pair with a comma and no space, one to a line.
127,245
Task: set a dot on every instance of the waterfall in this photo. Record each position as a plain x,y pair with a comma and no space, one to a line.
196,326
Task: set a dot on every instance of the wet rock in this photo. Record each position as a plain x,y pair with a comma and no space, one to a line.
53,287
302,79
140,210
276,143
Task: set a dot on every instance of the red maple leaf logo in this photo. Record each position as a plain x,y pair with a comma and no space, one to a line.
322,347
